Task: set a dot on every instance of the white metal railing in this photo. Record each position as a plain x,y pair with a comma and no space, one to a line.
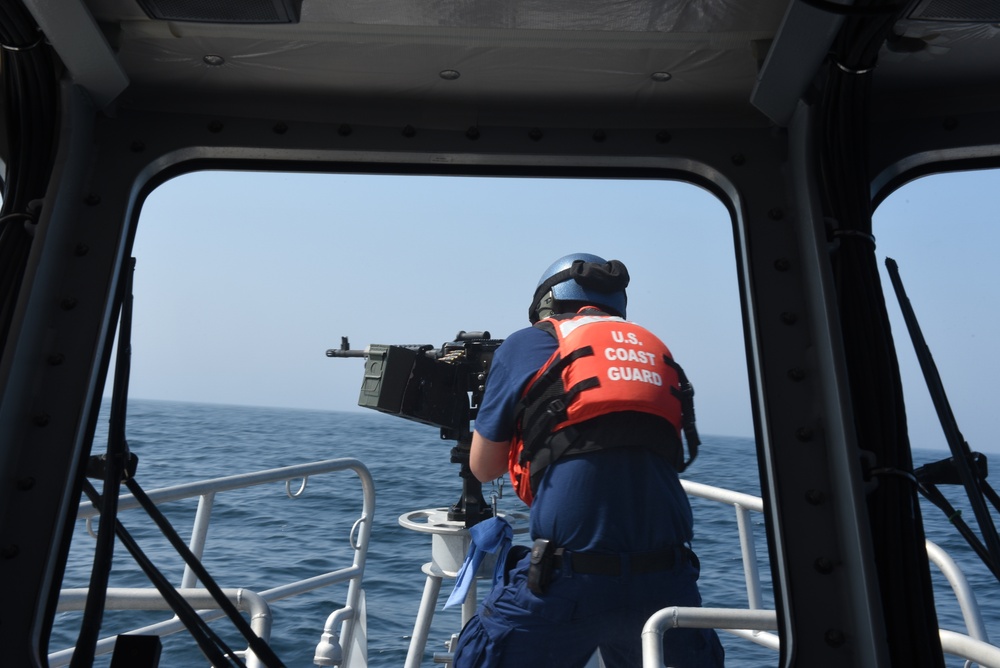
119,598
333,648
955,644
755,623
743,504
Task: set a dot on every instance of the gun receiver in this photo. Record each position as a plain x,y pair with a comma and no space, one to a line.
441,387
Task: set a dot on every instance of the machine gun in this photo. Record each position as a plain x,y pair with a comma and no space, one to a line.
441,387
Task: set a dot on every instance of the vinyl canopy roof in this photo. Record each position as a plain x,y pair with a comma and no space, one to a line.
686,62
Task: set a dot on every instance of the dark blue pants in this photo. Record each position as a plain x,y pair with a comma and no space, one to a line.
579,613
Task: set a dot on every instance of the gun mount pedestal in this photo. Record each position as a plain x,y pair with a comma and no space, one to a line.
471,508
449,544
443,388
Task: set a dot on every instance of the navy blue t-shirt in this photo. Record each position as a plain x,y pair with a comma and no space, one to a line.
620,500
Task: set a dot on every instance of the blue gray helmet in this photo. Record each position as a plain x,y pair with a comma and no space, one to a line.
581,278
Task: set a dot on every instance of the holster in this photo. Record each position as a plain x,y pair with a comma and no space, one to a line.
543,554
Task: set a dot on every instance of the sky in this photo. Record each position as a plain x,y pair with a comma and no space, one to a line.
244,280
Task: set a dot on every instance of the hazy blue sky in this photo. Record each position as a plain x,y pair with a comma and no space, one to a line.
244,280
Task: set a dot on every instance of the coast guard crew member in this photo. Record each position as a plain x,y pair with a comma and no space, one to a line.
586,411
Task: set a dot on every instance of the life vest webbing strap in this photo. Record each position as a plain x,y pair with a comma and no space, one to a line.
553,374
547,414
555,447
686,397
541,445
626,429
548,385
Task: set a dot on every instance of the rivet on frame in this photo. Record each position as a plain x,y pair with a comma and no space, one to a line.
834,637
823,565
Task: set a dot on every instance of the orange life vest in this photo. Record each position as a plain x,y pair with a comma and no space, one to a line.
603,365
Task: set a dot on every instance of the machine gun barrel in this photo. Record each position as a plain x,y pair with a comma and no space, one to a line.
340,352
345,350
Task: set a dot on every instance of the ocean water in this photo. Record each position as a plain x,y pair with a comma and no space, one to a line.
261,538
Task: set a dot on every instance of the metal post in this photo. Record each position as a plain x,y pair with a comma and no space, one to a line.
749,551
421,628
199,533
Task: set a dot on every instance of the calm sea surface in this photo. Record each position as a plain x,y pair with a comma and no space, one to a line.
262,538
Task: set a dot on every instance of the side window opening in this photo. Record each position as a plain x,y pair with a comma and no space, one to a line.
941,232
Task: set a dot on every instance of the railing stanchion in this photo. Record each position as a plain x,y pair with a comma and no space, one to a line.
199,532
749,550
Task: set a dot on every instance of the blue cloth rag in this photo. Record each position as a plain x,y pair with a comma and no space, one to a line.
492,536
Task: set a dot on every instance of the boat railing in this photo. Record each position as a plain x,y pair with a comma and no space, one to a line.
333,648
757,624
754,623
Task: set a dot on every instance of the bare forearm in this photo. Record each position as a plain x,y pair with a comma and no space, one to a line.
488,459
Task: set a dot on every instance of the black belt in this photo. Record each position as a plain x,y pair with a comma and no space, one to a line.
598,563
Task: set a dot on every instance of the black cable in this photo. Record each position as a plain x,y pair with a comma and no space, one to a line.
961,457
990,494
214,649
116,466
114,472
934,495
257,644
903,570
30,100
